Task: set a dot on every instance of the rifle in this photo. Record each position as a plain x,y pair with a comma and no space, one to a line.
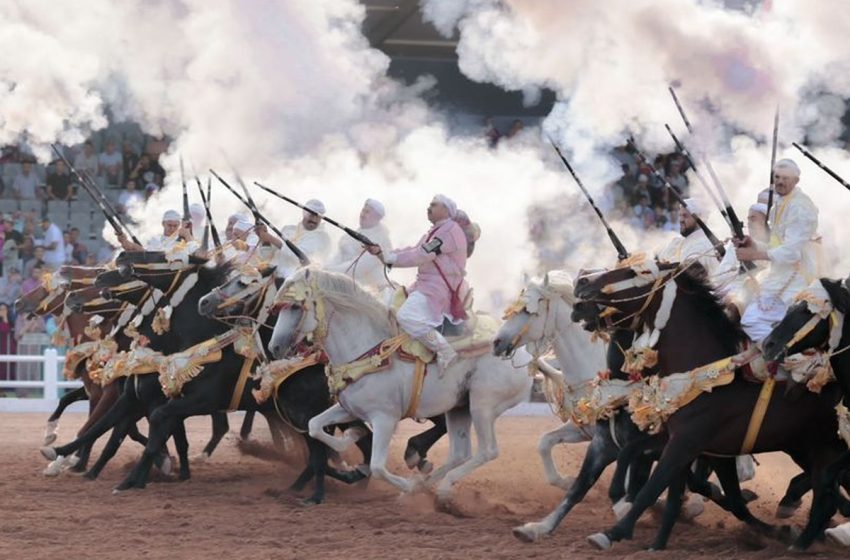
187,216
772,164
718,246
302,258
622,254
108,212
817,162
355,234
210,225
684,151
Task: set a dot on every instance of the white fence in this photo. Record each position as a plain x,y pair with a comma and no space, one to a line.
49,385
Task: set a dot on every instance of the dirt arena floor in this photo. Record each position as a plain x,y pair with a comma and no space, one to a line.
237,506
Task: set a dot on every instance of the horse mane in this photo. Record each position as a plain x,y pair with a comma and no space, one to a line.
711,307
344,293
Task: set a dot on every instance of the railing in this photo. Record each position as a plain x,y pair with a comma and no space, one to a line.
49,385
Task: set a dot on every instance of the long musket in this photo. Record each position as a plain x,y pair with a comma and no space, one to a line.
355,234
187,216
210,225
684,151
622,254
718,246
772,164
111,216
258,216
734,222
818,162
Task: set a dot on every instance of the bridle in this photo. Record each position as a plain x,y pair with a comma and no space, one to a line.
820,304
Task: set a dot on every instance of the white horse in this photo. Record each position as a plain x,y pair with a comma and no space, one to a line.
346,321
540,319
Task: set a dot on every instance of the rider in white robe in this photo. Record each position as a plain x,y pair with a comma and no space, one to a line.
792,257
173,233
353,260
309,235
692,244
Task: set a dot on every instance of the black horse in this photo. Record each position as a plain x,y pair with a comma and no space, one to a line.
783,341
699,332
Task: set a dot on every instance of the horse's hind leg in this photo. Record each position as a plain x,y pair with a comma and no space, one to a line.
318,463
332,416
825,483
793,498
600,454
458,423
115,441
727,474
181,443
415,455
566,433
78,394
247,425
220,426
675,493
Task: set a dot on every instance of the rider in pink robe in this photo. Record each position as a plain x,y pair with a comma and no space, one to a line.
440,287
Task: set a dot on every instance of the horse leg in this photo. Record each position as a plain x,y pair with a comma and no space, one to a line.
566,433
308,472
334,415
220,427
601,453
793,498
318,463
136,435
674,458
101,403
119,410
83,455
825,481
247,425
115,441
78,394
628,459
416,452
181,443
458,422
484,420
383,427
675,493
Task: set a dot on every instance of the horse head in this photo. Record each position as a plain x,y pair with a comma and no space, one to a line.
609,298
532,318
297,303
77,299
241,295
112,278
46,298
811,322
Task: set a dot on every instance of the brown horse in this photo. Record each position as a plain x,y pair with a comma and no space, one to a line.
784,340
691,329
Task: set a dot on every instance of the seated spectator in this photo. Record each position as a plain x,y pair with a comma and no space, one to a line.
59,183
111,164
11,241
33,281
8,344
25,183
87,161
10,284
516,127
130,158
26,225
36,260
69,248
130,198
675,176
54,245
141,170
79,252
158,171
491,133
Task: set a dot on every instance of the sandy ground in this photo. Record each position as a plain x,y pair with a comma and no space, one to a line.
238,507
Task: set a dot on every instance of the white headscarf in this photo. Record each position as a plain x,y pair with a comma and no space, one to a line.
171,216
787,165
242,225
315,205
376,206
448,203
695,207
759,207
197,212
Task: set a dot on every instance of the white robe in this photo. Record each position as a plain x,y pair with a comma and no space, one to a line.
169,243
793,262
352,260
694,247
315,244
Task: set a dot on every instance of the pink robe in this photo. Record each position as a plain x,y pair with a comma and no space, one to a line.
451,260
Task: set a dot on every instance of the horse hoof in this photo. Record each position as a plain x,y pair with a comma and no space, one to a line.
49,438
90,476
202,457
749,495
621,508
48,453
309,502
600,541
425,466
784,512
166,466
693,507
839,535
53,469
413,460
528,533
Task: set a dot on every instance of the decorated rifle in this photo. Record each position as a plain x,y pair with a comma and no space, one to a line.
818,162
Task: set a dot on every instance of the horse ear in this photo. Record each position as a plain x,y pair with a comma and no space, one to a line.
836,294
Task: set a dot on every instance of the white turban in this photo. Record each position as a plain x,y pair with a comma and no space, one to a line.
315,205
759,207
236,218
448,203
171,216
787,165
242,225
376,206
695,207
197,210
